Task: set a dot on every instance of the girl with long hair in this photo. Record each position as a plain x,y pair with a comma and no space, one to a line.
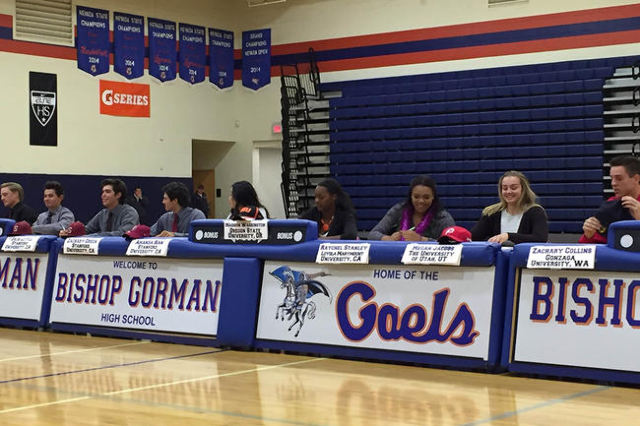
243,201
516,217
420,217
333,212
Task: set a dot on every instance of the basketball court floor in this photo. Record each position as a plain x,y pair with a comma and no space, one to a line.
61,379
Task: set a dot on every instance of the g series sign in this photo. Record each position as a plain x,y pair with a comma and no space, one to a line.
125,99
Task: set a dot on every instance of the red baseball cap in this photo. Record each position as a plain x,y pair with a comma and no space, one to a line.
76,229
21,228
138,231
454,235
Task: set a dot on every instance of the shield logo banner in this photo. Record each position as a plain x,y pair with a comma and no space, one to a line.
43,105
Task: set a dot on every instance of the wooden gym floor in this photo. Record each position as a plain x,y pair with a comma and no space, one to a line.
61,379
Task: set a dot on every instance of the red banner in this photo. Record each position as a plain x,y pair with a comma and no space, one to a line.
125,99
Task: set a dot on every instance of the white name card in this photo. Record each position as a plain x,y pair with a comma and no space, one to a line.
432,254
80,245
343,253
149,247
562,257
21,243
254,230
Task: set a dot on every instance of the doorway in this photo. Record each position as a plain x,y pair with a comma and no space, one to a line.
207,178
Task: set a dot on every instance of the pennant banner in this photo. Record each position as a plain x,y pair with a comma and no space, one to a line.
192,53
162,49
256,58
93,40
128,45
221,58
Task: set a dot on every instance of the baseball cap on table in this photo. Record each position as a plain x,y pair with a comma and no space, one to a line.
21,228
454,235
76,229
608,213
138,231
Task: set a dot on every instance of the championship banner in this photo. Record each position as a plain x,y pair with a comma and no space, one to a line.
192,53
151,294
221,58
43,111
162,49
579,319
125,99
93,40
427,309
22,281
256,58
128,45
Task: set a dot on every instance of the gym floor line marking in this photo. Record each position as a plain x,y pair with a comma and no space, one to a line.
213,376
177,382
75,351
105,367
537,406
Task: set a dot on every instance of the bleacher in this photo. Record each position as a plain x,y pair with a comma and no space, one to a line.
466,128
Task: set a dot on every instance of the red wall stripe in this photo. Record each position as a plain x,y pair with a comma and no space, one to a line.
38,49
482,51
591,15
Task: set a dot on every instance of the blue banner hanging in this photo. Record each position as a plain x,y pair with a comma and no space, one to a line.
221,58
162,49
93,40
256,58
192,53
128,45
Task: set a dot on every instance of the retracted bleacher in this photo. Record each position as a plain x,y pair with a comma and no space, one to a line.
466,128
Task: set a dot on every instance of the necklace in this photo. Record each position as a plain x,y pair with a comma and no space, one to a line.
324,229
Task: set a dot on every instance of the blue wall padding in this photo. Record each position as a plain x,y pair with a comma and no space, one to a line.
240,297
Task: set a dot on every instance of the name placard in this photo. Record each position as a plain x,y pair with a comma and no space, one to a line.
149,247
562,257
21,243
432,254
343,253
254,230
78,245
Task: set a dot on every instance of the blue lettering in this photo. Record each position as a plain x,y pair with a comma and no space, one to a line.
541,298
391,325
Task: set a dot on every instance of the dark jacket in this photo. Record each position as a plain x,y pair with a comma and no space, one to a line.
200,202
533,228
343,223
21,212
391,222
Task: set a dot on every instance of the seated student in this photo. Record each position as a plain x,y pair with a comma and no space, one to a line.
420,217
175,222
57,217
516,218
116,218
625,203
333,212
244,197
12,195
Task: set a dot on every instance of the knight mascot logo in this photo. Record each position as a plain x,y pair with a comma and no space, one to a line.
300,288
